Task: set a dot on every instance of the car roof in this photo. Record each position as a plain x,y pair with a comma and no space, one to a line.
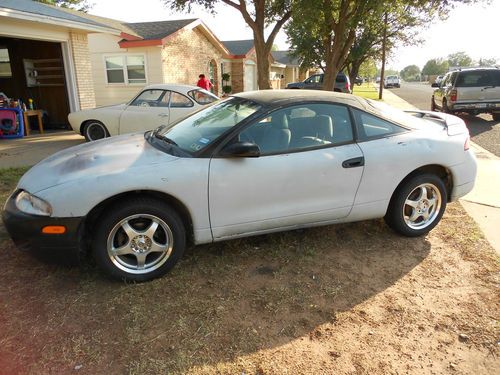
172,86
273,97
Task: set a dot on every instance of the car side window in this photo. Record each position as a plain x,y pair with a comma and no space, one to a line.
150,98
301,127
371,127
179,101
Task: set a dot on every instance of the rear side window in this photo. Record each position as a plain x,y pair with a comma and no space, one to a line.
496,77
372,127
180,101
202,97
474,79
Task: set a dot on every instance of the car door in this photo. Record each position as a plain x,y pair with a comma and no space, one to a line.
180,106
147,111
308,172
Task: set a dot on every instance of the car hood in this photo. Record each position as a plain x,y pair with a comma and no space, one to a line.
108,156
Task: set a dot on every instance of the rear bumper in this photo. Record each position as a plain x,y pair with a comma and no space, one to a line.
26,232
476,106
464,177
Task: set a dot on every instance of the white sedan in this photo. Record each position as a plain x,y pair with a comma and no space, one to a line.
258,162
154,106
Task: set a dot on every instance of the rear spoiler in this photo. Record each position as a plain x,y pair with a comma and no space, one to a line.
454,125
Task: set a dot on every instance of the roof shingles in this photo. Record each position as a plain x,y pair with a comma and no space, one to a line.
159,29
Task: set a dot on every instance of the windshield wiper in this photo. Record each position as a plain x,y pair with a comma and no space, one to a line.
166,139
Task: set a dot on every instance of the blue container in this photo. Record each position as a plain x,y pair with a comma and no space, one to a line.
11,123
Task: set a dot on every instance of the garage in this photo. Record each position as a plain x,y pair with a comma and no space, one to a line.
45,61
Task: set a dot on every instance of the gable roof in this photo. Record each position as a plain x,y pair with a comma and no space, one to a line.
238,47
284,57
38,12
158,29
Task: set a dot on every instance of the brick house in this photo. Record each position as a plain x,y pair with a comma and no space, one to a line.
44,56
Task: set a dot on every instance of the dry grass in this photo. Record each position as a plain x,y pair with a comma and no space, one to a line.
306,302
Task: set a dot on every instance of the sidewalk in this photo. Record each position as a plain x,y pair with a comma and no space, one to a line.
483,202
30,150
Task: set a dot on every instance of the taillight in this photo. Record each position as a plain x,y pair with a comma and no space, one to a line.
467,144
347,86
453,95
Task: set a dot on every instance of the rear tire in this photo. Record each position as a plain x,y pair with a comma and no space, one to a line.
95,130
417,205
444,107
138,239
496,116
433,105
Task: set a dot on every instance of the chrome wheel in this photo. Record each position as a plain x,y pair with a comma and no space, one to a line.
422,206
140,243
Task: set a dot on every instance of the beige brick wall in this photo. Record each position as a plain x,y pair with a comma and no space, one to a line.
83,70
187,55
237,77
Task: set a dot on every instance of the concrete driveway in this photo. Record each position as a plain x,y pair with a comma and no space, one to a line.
30,150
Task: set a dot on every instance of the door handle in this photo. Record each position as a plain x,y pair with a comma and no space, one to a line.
354,162
163,114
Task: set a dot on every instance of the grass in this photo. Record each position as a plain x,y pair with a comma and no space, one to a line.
366,90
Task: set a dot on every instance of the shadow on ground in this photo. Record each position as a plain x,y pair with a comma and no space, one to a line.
220,302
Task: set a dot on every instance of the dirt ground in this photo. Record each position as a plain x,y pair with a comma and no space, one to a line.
345,299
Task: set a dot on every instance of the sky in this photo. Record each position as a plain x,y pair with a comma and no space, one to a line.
470,28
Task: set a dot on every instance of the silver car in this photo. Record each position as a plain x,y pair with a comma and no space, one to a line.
474,91
258,162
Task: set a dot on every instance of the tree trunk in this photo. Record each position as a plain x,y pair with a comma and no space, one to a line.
354,71
382,70
263,68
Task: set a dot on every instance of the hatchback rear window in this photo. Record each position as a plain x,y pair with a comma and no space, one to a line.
473,79
340,78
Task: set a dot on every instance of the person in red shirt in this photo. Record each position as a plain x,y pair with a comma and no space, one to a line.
204,82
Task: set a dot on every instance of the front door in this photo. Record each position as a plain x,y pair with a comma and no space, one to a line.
147,111
300,178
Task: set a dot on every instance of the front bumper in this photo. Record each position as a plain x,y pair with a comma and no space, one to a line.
26,232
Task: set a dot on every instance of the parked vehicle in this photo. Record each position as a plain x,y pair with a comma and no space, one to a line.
155,105
258,162
315,82
474,91
438,80
392,81
359,81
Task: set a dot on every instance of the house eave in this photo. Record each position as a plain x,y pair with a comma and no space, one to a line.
39,18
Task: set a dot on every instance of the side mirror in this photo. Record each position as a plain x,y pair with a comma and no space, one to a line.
241,150
435,84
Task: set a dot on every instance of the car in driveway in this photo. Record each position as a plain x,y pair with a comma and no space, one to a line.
473,91
153,106
255,163
315,82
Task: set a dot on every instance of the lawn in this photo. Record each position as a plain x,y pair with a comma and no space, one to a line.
366,90
316,301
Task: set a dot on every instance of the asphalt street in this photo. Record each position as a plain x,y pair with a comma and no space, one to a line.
483,130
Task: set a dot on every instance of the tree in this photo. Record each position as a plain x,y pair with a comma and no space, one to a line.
368,68
435,67
410,73
262,14
487,61
330,28
459,59
81,5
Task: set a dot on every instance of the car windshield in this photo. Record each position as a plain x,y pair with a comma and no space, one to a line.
199,130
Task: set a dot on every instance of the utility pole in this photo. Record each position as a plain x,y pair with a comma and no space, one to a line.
382,70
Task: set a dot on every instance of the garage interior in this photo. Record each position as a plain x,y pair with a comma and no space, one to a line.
35,70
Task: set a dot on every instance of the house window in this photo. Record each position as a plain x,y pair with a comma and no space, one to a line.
5,70
128,69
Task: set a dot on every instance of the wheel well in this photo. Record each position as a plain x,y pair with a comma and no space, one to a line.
177,205
91,120
435,169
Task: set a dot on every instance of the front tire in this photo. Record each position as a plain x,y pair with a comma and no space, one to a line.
94,130
139,239
417,205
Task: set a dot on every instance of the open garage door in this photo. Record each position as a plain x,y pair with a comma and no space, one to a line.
34,69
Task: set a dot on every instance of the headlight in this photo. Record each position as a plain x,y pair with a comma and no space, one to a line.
30,204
